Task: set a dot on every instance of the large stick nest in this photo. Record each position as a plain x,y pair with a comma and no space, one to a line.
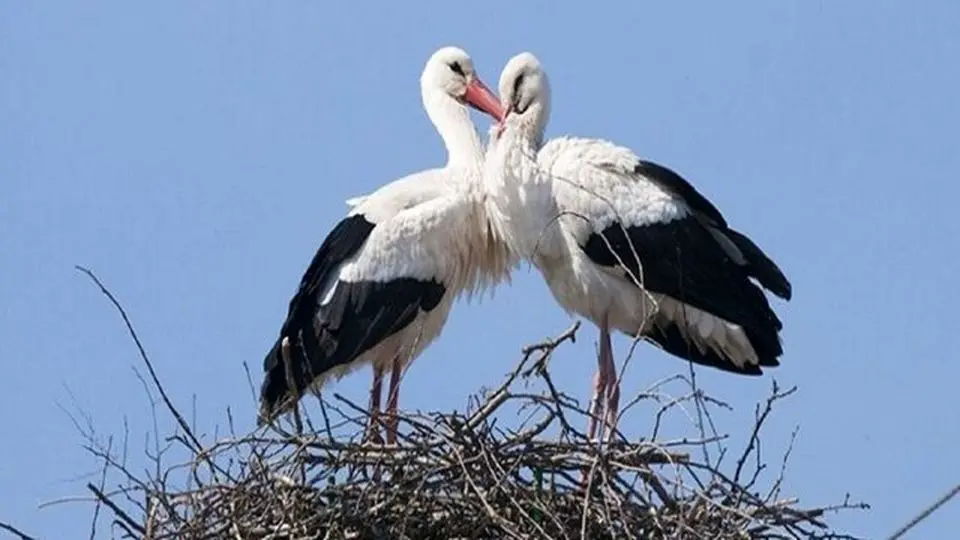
461,475
513,465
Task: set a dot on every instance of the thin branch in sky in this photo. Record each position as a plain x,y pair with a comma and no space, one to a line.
15,531
143,354
926,512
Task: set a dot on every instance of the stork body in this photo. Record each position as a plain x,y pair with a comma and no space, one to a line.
626,243
380,287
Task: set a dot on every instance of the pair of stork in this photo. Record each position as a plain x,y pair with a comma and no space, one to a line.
621,241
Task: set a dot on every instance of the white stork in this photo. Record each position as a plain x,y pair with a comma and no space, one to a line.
584,211
380,287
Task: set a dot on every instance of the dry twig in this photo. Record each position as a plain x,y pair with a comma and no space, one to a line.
15,531
472,474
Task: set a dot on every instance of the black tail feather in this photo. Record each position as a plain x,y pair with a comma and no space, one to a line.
284,382
760,266
765,343
273,388
357,317
275,391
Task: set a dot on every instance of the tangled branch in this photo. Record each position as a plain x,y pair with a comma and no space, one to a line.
513,464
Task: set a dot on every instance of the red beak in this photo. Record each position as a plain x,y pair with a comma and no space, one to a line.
481,98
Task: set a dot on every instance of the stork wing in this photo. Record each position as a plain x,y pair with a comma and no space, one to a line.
648,223
358,291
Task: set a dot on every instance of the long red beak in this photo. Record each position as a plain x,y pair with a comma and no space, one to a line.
481,98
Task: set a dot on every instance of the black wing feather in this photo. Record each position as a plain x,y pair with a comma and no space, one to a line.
759,266
680,187
358,316
343,242
681,259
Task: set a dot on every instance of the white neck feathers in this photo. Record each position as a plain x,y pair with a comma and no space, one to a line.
482,262
452,121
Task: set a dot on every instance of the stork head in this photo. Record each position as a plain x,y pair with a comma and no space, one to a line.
449,71
525,95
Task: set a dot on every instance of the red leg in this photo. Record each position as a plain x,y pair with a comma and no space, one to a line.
599,384
613,386
393,400
605,391
373,428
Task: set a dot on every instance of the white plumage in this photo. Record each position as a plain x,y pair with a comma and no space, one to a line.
626,243
381,285
433,231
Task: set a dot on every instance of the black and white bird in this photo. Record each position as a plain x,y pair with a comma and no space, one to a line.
380,287
626,243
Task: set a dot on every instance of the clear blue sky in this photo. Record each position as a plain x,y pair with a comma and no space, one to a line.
194,154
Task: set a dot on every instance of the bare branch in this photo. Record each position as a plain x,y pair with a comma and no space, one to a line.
926,512
15,531
116,509
143,355
462,475
507,467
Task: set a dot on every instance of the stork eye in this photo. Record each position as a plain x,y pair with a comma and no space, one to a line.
458,69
